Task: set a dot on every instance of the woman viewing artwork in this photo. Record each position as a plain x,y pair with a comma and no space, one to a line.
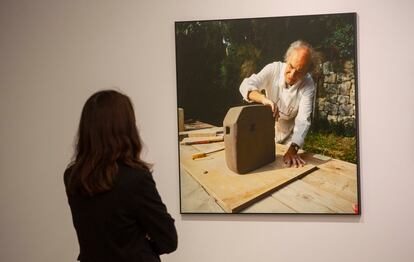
117,212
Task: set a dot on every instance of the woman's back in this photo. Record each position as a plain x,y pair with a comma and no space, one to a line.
115,225
117,212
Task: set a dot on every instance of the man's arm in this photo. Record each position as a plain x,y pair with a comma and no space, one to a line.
302,124
251,86
258,97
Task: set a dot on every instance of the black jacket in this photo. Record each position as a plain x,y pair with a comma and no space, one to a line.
115,226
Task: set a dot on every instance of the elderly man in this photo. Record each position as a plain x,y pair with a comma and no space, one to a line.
289,90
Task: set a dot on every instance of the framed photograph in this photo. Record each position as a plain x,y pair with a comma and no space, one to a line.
268,115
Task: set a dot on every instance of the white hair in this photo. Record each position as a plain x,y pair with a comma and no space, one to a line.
299,44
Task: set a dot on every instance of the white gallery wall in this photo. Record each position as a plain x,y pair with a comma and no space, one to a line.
56,53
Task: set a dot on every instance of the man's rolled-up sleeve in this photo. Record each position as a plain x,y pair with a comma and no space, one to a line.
303,119
257,81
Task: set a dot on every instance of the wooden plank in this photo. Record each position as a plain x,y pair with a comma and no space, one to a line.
268,205
201,140
196,125
323,191
202,132
314,159
194,199
304,198
209,147
232,191
340,167
334,183
187,185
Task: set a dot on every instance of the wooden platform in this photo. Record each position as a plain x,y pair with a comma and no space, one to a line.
323,186
232,191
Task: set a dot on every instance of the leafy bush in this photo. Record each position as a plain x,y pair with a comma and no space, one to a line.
332,145
341,41
345,129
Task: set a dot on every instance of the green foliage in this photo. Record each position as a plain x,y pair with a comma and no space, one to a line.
342,41
338,128
339,147
239,63
200,50
334,139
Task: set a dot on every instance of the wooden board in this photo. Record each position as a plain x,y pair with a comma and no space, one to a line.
305,198
196,125
269,205
201,140
332,188
232,191
322,191
194,199
337,184
202,132
341,168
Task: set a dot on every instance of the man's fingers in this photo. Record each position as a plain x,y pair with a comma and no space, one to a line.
295,162
291,162
301,161
288,162
272,106
268,102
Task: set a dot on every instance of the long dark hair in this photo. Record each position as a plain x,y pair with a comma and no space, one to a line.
107,135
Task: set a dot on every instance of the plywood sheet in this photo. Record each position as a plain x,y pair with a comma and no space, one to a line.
232,191
341,168
269,205
194,199
334,183
306,198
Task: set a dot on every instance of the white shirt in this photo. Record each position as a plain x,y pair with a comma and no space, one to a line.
295,103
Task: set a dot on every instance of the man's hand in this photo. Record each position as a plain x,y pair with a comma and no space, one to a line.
258,97
267,102
292,159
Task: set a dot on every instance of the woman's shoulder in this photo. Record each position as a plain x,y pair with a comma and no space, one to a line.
134,182
131,175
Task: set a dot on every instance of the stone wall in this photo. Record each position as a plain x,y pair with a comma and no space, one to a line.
336,93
